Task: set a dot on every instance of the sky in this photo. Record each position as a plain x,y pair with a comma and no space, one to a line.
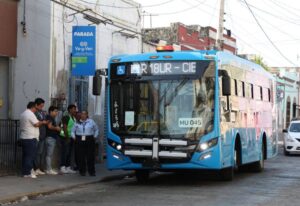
272,30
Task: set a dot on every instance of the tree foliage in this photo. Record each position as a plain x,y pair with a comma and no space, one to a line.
260,61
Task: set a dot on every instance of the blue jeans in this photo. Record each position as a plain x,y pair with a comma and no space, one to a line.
39,160
29,147
66,151
50,145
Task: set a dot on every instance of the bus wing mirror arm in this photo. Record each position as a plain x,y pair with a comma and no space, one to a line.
97,81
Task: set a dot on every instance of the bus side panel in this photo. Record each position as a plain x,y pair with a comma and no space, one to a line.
227,149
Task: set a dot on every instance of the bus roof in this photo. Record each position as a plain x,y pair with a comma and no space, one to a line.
224,58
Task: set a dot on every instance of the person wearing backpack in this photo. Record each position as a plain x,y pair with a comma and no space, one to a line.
67,142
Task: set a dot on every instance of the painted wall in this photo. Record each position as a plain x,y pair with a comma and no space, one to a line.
288,82
110,41
30,69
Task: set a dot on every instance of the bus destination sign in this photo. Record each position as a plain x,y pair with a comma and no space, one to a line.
163,68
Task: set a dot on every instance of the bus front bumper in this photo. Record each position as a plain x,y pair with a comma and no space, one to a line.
209,159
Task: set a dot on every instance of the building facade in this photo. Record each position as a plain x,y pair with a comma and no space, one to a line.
8,52
189,37
288,94
36,47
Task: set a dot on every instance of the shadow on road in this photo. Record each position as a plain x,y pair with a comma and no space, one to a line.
195,178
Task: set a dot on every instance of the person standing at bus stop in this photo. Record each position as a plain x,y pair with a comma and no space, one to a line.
41,116
29,134
52,133
85,131
67,142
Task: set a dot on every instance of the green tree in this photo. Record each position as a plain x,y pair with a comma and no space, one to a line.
260,61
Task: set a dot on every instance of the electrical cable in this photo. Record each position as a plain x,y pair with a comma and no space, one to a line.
276,28
197,6
126,7
245,42
214,9
179,11
288,6
271,14
284,9
254,48
276,48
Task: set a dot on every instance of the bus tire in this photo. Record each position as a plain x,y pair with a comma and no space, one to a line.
142,176
258,166
227,174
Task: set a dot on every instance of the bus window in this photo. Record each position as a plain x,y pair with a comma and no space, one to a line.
261,93
240,88
257,94
251,92
266,94
235,88
243,88
269,95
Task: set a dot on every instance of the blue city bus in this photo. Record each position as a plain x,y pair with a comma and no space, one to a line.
189,110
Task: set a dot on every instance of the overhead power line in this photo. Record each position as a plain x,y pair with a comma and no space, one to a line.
103,19
277,49
181,11
289,11
126,7
282,18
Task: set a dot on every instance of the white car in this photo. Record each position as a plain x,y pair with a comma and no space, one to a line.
291,138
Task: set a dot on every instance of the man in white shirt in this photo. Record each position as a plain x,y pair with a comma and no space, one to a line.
29,133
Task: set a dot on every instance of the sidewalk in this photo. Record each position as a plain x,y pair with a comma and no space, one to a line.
15,188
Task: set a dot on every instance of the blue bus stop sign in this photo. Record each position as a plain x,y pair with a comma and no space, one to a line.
83,50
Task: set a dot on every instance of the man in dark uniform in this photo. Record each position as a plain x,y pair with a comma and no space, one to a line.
67,142
85,132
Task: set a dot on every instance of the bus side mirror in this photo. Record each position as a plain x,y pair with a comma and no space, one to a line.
97,85
226,86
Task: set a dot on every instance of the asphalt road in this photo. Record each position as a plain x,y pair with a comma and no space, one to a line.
279,184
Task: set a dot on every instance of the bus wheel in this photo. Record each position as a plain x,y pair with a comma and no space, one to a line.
258,166
142,176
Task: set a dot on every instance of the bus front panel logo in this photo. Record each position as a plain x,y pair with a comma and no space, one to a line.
121,70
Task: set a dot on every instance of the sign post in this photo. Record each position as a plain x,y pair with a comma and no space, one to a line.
83,50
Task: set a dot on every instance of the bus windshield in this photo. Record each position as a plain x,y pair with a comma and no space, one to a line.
177,107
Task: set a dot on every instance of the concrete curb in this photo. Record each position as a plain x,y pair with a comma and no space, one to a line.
32,195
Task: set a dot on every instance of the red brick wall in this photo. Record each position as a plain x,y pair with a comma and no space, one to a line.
190,39
193,40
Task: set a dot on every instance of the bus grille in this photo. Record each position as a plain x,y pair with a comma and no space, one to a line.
158,150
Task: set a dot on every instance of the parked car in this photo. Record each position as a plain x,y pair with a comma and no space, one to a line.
291,139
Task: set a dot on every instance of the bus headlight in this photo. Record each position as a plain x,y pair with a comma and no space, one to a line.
119,147
115,145
206,145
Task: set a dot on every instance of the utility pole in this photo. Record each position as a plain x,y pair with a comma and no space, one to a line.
219,40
